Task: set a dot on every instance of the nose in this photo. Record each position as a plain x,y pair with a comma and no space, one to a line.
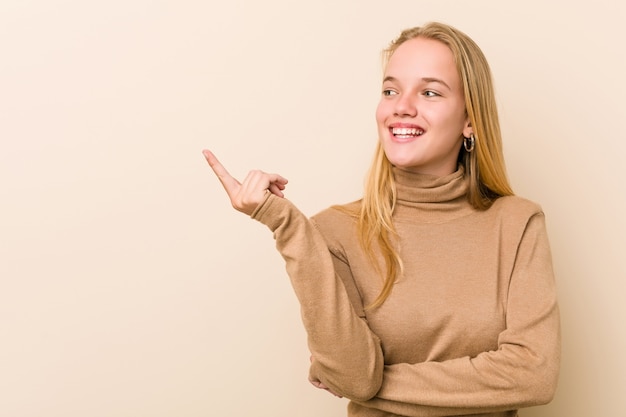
406,105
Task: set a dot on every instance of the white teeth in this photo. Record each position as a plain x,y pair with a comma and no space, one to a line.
406,131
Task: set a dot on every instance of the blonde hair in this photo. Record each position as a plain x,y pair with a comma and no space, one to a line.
484,166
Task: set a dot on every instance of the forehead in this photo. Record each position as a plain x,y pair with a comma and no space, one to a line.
423,58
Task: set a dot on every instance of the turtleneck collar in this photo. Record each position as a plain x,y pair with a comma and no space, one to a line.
431,199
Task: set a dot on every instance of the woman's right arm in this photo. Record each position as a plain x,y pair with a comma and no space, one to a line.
347,355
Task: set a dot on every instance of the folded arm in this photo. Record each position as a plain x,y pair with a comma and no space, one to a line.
522,372
347,355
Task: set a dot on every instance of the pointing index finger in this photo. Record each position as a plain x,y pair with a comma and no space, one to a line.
230,184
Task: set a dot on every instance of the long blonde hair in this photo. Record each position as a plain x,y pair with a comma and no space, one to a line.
484,166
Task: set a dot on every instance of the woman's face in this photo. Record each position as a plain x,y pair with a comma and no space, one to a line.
421,116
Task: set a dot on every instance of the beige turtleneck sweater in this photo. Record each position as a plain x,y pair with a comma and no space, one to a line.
472,327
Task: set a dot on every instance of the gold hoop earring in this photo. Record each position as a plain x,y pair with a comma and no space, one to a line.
468,143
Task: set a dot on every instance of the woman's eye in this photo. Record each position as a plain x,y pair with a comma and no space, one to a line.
388,92
430,93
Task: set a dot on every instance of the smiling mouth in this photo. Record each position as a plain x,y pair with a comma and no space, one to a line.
406,132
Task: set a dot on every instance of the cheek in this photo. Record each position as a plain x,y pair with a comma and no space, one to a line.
460,116
449,119
382,112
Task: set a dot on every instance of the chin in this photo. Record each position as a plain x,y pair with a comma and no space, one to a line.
407,166
401,157
401,162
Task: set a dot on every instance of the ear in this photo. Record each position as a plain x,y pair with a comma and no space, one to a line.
467,128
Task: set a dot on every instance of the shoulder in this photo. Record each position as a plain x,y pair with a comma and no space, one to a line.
513,219
513,215
337,216
515,206
337,223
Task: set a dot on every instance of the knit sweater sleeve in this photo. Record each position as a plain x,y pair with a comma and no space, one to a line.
348,356
521,372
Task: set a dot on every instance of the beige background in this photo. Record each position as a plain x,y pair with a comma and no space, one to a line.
129,287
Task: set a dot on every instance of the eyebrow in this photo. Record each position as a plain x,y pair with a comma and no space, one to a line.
427,80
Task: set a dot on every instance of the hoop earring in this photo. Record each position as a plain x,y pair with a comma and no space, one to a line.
468,143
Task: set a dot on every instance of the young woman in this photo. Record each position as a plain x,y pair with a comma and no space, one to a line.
434,294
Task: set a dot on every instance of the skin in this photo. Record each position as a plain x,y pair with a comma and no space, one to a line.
247,195
422,90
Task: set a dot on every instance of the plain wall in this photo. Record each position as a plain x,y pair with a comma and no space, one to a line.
128,285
